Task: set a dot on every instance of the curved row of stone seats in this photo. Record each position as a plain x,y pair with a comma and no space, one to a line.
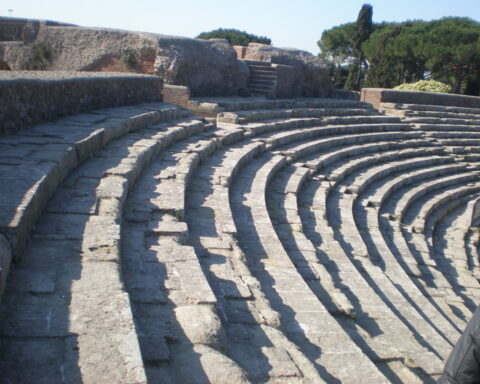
125,170
436,166
434,211
213,106
417,218
217,290
243,117
417,242
66,305
242,302
356,306
462,293
303,316
336,136
175,305
221,212
454,245
423,110
435,223
358,242
413,189
35,161
210,245
216,214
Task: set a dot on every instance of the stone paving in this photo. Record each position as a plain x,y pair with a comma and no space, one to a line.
289,241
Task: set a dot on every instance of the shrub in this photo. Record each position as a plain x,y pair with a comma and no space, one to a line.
40,56
234,37
129,59
425,86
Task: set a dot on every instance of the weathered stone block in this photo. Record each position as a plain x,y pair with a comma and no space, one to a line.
201,325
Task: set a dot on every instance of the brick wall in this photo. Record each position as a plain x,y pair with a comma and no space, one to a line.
176,94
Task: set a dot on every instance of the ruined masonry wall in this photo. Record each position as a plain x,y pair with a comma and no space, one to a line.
28,98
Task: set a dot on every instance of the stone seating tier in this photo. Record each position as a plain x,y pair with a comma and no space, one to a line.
289,237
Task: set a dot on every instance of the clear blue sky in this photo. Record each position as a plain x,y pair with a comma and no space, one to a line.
288,23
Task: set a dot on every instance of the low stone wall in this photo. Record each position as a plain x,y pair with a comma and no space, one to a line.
176,94
28,98
376,96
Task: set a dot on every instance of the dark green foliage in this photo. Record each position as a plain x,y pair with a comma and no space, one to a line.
447,50
129,59
395,53
40,57
363,30
353,73
453,50
336,44
343,45
339,74
234,37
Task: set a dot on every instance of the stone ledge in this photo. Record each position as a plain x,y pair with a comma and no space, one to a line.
376,96
30,97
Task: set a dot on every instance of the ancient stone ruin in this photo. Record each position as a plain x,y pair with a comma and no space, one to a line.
231,239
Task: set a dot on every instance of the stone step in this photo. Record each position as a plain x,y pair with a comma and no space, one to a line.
395,184
322,125
334,162
54,149
84,303
231,104
436,108
329,133
440,128
423,189
263,71
348,232
421,169
257,63
256,86
446,115
240,299
262,80
242,117
284,288
440,120
417,221
281,200
36,160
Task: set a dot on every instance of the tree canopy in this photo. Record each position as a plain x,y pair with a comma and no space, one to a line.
447,50
234,37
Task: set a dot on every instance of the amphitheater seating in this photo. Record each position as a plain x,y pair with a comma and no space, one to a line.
288,241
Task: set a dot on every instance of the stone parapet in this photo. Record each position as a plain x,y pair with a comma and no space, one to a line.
376,96
30,97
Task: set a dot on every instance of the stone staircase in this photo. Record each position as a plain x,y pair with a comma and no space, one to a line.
262,80
294,241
